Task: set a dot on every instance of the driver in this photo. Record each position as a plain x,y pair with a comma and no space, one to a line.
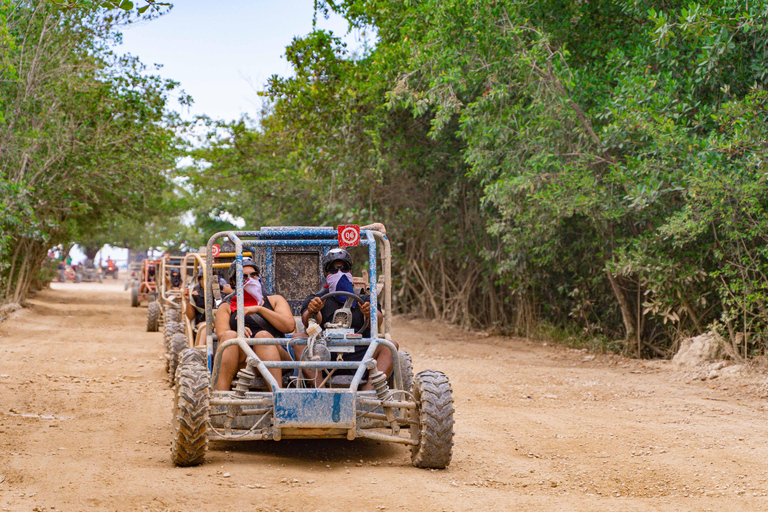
266,316
175,278
337,265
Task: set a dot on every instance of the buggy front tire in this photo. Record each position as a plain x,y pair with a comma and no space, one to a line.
433,428
153,316
172,314
178,344
169,329
406,369
191,409
135,297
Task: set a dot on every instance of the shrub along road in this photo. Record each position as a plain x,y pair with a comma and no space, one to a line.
86,408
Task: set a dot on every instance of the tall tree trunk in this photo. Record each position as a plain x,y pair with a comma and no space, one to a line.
626,311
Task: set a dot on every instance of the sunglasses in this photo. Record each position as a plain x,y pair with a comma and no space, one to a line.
336,268
252,274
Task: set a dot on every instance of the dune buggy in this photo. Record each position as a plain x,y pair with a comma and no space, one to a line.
166,309
145,285
416,411
88,273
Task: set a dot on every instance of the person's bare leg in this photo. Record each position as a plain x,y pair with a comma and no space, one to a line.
200,336
269,353
231,359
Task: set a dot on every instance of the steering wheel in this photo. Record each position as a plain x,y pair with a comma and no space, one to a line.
349,295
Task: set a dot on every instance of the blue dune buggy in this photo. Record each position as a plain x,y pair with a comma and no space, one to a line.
412,410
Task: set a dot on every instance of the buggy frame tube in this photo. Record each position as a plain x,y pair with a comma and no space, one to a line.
369,241
374,309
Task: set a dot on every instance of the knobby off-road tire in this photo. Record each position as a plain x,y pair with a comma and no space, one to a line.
135,297
190,410
433,396
178,344
153,316
172,314
169,330
406,369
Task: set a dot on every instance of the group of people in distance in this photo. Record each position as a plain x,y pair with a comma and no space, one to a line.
270,316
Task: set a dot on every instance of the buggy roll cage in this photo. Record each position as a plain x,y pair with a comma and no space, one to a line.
271,240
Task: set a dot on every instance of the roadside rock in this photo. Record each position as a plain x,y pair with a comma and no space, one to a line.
698,350
7,309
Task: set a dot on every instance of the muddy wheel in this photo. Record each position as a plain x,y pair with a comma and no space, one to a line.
153,316
434,414
170,329
172,314
406,369
135,297
190,410
178,344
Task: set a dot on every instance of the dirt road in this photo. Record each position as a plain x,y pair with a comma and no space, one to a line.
85,414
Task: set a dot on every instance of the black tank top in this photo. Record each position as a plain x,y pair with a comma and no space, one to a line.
256,322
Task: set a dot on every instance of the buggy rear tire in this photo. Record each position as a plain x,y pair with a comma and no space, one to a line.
191,410
172,314
169,330
434,426
135,297
153,316
178,344
406,369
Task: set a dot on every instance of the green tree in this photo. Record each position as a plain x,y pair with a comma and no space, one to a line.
85,135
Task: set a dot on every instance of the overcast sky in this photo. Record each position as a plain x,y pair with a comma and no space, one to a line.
223,52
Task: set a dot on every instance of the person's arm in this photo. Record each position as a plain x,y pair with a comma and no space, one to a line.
189,310
225,288
281,318
312,310
365,309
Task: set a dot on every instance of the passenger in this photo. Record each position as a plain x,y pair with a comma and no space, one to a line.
265,317
175,278
195,309
337,264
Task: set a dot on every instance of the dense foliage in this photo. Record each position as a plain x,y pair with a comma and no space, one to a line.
86,139
598,165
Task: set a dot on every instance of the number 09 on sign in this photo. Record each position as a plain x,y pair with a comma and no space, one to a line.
349,236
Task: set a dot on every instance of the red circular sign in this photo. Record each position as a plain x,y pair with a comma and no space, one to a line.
215,249
349,236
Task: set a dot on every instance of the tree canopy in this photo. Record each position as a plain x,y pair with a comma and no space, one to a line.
597,167
86,137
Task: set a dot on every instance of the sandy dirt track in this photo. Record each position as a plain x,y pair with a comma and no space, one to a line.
85,412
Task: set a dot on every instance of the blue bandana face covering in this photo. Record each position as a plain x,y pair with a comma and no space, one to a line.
340,282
